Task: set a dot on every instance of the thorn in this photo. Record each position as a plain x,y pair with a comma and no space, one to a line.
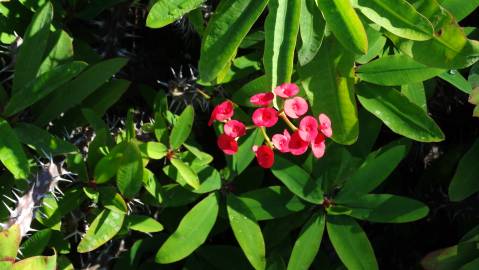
65,180
54,196
8,198
16,195
18,190
20,252
8,208
59,190
47,205
33,230
138,201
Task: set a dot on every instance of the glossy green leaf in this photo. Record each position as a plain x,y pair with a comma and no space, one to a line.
188,175
307,245
376,43
465,181
182,128
329,84
202,158
36,243
345,24
281,30
153,150
153,186
30,54
143,224
398,17
9,242
452,257
351,243
111,200
42,141
244,156
416,93
11,152
164,12
396,70
129,177
247,231
37,262
72,200
191,233
61,51
226,29
399,114
311,28
105,226
242,95
297,180
108,165
455,78
459,8
271,202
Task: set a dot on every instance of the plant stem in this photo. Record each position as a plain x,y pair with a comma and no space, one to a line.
266,137
287,121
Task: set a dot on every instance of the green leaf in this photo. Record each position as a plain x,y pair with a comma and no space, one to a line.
108,165
416,93
61,51
36,243
164,12
308,242
329,84
30,54
42,141
191,233
396,70
345,24
271,202
111,200
242,95
464,183
398,17
186,173
202,157
72,200
376,42
182,128
226,29
375,169
129,177
459,8
37,262
153,150
281,30
9,242
11,152
398,113
351,243
386,208
297,180
472,265
153,186
143,224
311,28
105,226
244,156
452,257
455,78
247,231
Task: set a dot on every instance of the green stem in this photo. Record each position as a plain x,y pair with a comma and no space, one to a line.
287,121
266,137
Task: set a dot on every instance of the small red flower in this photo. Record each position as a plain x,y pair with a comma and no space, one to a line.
308,128
265,117
295,107
264,156
281,141
286,90
228,144
297,146
318,146
325,125
222,112
262,99
234,128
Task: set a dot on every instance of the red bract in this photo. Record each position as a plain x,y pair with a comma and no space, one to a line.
222,112
297,146
234,128
262,99
308,128
264,156
295,107
265,117
318,146
286,90
228,144
325,125
281,141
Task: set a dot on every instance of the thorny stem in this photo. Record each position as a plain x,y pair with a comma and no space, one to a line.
287,121
266,137
203,93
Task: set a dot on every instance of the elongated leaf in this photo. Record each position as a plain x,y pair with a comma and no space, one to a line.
307,244
472,265
351,243
247,232
37,262
396,70
72,200
188,175
465,180
271,202
311,28
244,156
182,128
452,257
36,243
399,114
11,152
9,242
164,12
455,78
192,231
242,95
297,180
30,54
153,150
329,85
460,9
108,165
143,224
226,29
42,141
281,30
129,177
398,17
376,42
60,53
386,208
416,93
105,226
345,24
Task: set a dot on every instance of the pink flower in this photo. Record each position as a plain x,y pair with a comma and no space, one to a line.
295,107
222,112
262,99
318,146
325,125
265,117
286,90
281,141
234,128
264,156
297,146
308,128
227,144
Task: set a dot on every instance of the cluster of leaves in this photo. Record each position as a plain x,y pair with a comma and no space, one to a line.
152,189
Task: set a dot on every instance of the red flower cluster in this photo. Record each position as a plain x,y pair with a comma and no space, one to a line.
312,132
